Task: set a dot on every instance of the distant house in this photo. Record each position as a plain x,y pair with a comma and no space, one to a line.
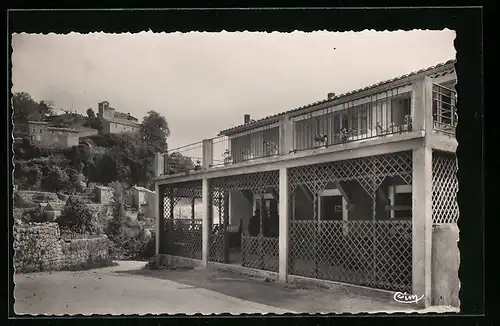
45,135
144,199
104,194
53,210
114,122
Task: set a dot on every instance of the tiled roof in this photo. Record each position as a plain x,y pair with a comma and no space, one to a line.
421,71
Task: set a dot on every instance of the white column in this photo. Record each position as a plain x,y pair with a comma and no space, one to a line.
422,223
286,135
207,153
283,224
421,108
159,164
206,227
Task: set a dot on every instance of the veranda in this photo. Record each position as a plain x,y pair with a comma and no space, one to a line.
354,221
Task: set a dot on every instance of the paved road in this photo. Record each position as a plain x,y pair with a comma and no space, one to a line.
126,289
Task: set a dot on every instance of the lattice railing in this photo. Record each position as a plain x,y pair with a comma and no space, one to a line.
444,188
184,238
182,234
371,253
260,252
259,244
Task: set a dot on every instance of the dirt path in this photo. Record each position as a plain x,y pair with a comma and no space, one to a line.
127,289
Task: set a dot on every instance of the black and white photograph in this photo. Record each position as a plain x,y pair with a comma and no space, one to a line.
235,172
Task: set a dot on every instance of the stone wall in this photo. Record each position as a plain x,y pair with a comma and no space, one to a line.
445,265
39,247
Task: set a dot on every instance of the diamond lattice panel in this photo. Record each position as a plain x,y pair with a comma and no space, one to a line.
444,188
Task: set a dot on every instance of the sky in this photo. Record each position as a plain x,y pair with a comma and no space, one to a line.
205,82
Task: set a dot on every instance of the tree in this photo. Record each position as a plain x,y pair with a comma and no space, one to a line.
94,123
90,113
155,131
116,224
25,108
179,163
45,109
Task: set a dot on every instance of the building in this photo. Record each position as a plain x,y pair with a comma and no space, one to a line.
45,135
358,188
116,122
144,200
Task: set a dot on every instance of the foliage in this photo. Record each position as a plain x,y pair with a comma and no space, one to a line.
127,159
94,123
134,247
54,179
155,131
116,225
78,156
90,113
178,163
68,119
77,217
27,109
27,176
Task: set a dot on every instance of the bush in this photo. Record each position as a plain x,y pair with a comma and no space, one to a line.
136,247
77,217
55,179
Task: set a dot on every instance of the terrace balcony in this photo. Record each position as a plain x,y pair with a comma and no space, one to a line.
415,106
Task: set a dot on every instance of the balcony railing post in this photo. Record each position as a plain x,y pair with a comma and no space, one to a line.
286,135
207,153
421,106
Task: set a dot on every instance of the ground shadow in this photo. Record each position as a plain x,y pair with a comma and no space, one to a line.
294,297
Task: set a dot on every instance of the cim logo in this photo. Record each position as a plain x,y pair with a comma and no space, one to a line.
406,298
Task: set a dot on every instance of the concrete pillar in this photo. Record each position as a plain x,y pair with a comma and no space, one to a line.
421,106
445,265
422,224
159,164
207,156
283,223
206,217
286,135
